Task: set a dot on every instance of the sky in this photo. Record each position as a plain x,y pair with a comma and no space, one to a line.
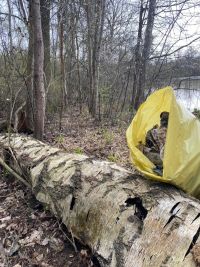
185,29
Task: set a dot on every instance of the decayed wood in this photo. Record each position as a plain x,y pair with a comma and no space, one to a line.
125,219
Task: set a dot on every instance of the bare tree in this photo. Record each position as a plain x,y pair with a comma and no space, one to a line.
62,66
95,11
45,19
38,81
103,52
140,69
138,57
10,25
29,71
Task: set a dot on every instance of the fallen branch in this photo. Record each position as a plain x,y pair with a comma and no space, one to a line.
16,175
125,219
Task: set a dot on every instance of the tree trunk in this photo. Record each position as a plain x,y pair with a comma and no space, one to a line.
45,20
22,11
10,26
95,11
62,69
137,57
29,70
141,68
70,54
38,82
125,219
78,73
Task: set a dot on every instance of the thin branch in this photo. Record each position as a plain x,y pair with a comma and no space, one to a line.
15,16
16,175
176,50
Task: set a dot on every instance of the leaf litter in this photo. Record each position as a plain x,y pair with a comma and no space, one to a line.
29,235
81,134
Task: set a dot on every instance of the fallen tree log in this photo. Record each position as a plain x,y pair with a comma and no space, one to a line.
126,220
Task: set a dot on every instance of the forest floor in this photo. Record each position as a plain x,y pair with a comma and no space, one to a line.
29,235
83,135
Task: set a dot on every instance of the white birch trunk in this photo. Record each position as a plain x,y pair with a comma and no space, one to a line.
125,219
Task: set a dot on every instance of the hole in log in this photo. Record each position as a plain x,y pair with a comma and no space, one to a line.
72,203
173,214
140,211
34,203
170,219
198,215
194,240
95,261
173,208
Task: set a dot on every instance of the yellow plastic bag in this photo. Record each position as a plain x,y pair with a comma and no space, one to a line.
181,163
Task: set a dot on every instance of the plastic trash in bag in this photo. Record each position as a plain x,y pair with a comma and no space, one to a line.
181,161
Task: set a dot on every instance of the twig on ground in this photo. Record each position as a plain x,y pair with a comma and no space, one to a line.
16,175
72,242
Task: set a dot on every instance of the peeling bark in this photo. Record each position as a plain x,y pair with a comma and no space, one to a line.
125,219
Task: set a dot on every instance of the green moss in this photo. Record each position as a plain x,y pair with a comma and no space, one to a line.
78,150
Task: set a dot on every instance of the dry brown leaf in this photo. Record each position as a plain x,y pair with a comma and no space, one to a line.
56,244
7,218
35,237
45,241
3,225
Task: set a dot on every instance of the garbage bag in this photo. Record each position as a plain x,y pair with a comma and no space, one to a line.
181,162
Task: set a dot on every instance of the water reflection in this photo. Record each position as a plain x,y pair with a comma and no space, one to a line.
189,98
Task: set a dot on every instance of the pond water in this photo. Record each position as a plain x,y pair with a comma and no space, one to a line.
189,98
